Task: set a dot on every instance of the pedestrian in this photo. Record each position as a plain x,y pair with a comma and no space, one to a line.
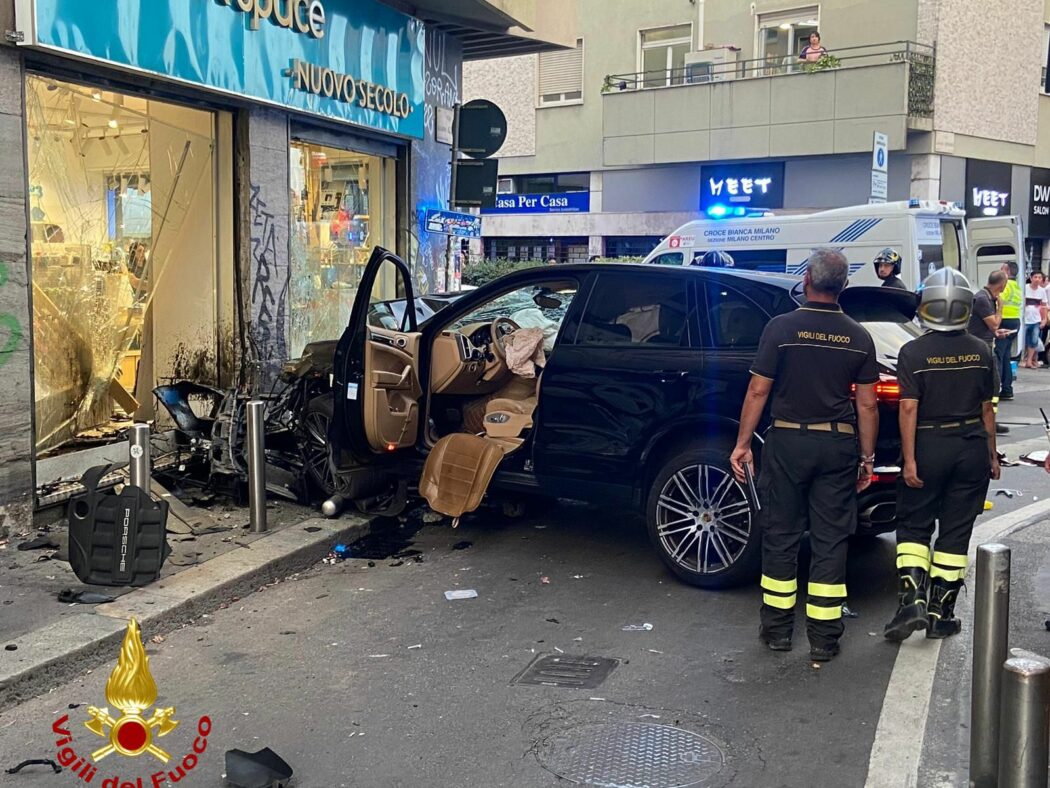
887,265
947,378
809,362
985,323
1035,304
1011,299
813,52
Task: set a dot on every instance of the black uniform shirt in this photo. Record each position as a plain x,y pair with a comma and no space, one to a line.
983,306
814,355
894,281
951,375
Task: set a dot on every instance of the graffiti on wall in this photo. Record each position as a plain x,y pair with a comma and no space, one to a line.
269,283
432,176
10,325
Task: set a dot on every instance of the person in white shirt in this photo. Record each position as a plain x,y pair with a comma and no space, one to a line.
1035,310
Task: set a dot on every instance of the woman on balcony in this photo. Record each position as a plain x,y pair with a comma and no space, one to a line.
813,52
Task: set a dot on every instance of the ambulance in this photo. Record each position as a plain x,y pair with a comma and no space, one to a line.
928,235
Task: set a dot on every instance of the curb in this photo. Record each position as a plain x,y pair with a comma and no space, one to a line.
57,652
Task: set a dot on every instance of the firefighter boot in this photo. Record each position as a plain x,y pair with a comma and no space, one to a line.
911,612
943,622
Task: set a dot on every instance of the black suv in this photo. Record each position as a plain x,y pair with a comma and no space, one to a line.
637,403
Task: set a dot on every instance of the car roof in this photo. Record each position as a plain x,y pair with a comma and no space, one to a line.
785,281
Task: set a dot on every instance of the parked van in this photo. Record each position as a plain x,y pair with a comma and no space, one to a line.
928,235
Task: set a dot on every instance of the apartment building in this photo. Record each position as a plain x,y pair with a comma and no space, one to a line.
666,111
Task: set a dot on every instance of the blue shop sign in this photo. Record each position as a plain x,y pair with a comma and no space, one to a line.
461,225
566,202
352,60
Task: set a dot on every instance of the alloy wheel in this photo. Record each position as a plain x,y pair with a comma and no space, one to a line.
703,519
315,452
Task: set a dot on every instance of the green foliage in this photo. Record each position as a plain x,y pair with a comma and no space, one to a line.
481,272
824,63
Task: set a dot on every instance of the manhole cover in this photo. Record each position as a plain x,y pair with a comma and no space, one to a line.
631,755
558,670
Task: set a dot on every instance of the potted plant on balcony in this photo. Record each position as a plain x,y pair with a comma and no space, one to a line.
825,62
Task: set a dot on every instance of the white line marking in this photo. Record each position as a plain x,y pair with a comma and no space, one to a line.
895,755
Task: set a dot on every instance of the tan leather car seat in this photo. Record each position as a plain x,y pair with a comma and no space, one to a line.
458,472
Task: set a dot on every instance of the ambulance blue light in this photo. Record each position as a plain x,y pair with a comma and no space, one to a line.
913,203
717,211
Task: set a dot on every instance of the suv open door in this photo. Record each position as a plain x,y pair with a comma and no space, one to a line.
376,380
990,243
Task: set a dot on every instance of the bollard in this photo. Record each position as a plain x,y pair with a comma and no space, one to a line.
139,467
333,506
1024,733
257,466
991,621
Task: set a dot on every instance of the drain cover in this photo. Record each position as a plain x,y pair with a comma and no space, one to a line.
631,755
558,670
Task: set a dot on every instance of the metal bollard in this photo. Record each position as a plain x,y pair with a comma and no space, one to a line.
139,468
333,506
1024,733
257,465
991,623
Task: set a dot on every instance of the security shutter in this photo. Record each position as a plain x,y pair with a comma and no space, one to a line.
561,75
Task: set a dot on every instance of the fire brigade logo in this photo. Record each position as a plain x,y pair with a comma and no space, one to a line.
131,689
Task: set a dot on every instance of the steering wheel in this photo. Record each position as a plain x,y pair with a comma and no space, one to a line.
502,327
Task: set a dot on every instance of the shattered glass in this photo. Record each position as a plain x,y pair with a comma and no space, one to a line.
110,186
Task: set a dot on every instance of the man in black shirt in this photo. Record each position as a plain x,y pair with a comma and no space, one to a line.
809,361
948,378
888,268
987,314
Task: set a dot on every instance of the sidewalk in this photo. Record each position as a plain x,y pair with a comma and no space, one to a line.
46,641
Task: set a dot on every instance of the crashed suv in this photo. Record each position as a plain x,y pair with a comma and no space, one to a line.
618,384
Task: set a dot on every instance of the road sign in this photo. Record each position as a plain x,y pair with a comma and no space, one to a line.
880,156
461,225
879,187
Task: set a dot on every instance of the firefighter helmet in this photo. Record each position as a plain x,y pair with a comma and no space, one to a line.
888,256
716,258
947,301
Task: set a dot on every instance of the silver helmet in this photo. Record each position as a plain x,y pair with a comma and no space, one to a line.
947,301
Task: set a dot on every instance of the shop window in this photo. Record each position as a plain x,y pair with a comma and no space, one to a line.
123,243
783,35
341,209
631,246
662,55
636,311
561,76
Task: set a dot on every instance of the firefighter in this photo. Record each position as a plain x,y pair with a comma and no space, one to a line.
809,361
887,265
948,379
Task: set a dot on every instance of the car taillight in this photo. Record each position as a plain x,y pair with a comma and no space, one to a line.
887,390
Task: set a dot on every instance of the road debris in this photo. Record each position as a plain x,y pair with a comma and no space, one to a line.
464,545
69,596
1011,493
461,593
646,627
418,645
34,762
262,769
545,580
654,651
39,543
10,647
157,639
558,650
847,613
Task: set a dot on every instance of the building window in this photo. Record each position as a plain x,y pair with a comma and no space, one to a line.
783,35
662,55
561,76
553,184
637,311
631,246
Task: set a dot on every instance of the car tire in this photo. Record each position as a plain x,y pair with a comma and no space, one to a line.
317,462
700,521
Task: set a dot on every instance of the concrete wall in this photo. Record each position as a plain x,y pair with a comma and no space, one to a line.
16,358
265,208
822,183
652,189
511,83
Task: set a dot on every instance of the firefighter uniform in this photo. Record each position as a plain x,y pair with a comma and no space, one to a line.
809,471
951,376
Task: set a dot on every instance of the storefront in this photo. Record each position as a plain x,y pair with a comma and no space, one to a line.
1038,225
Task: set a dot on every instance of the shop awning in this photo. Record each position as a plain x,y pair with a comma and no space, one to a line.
498,28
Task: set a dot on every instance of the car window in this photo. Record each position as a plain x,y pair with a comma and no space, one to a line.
668,258
543,305
735,321
637,310
890,337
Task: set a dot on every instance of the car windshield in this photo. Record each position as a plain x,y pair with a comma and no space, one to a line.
890,337
530,299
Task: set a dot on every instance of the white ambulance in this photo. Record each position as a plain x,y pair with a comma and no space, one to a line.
928,236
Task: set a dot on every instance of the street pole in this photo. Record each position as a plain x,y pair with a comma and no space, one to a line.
257,466
991,622
454,183
1024,744
138,449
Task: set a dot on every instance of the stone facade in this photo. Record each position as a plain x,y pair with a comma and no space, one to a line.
511,83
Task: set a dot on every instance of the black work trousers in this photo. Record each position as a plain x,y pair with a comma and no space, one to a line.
807,477
955,467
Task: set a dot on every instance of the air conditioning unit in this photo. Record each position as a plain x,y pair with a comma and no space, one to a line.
710,65
505,186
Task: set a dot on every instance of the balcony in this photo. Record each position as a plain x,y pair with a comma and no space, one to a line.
755,109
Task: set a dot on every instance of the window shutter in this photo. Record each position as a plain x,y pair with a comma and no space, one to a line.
561,74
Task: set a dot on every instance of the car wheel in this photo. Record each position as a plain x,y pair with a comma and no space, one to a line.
700,520
317,463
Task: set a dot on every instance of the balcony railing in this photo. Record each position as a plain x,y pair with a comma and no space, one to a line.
920,58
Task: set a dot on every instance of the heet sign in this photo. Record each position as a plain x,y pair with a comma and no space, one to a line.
988,187
729,186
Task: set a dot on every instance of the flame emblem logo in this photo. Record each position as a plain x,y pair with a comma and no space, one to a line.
132,690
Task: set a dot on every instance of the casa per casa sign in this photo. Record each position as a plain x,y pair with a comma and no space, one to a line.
303,16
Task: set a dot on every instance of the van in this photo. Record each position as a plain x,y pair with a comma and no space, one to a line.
929,235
